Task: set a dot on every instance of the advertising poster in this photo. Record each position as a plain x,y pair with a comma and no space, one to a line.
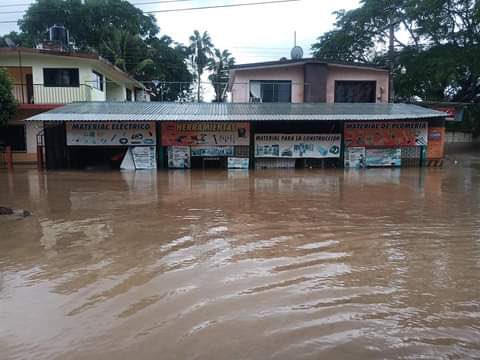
355,157
178,157
436,142
111,133
384,157
238,163
386,133
139,158
144,157
298,145
212,151
205,133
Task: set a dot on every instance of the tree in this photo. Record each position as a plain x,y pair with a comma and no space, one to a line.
90,22
220,64
7,100
440,54
200,51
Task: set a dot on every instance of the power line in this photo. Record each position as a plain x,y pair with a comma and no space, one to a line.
142,3
132,3
194,8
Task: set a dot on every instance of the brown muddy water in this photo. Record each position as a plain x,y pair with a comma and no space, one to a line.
242,265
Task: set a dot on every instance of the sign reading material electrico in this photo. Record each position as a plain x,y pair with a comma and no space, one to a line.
298,145
386,133
111,133
205,133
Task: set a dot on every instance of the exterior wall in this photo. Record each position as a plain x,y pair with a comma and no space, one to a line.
316,82
116,92
323,89
241,86
56,95
341,73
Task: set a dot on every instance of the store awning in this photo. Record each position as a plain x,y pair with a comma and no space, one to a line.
160,111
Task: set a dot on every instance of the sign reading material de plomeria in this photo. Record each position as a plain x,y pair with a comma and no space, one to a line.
121,133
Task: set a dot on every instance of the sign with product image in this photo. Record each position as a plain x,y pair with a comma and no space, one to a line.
205,133
386,133
297,145
179,157
212,151
384,157
355,157
103,133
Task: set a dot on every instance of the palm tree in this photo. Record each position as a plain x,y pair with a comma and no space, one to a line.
220,64
200,50
120,46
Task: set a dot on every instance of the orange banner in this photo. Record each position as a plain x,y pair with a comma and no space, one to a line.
386,133
436,143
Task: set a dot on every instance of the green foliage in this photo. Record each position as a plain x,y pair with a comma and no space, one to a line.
90,24
200,52
440,56
7,100
219,64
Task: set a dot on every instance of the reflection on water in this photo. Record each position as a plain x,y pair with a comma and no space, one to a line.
242,265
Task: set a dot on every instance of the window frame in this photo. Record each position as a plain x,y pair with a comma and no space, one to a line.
373,98
9,134
275,94
73,81
99,80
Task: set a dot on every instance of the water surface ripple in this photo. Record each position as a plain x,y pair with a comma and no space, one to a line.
242,265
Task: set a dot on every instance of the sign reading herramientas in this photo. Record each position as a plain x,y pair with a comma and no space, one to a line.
205,133
111,133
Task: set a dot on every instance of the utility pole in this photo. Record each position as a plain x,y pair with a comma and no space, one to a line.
391,61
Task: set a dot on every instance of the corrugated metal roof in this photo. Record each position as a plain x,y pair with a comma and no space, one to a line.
160,111
293,62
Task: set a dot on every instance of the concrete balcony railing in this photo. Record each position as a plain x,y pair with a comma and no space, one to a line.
40,94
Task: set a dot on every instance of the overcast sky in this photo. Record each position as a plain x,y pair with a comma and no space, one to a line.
251,33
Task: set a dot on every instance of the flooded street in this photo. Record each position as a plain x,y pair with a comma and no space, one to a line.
304,264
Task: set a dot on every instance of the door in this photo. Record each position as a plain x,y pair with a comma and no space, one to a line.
29,80
55,147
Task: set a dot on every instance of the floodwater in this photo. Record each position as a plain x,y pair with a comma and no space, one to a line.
242,265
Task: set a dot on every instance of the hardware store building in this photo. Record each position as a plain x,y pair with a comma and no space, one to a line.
240,135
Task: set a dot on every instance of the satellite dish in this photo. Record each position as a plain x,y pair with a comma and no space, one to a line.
297,53
10,43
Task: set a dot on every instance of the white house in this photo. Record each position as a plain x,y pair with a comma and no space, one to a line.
45,79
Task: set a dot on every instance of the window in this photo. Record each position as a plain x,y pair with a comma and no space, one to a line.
14,136
270,91
129,95
97,80
355,91
61,77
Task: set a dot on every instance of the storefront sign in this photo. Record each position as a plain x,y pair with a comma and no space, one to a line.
178,157
139,158
205,133
238,163
144,157
384,157
110,133
436,142
386,133
298,145
355,157
212,151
